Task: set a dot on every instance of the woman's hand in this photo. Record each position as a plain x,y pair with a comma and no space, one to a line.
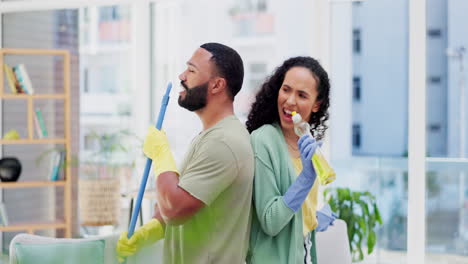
297,192
325,218
307,146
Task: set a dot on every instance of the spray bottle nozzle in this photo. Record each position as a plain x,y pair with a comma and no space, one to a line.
296,117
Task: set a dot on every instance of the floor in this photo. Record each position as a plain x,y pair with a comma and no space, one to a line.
399,257
383,257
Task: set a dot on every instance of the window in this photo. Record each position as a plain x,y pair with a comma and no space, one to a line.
252,18
107,79
356,136
85,81
357,3
434,79
357,41
435,33
356,88
109,13
105,70
434,128
262,6
256,73
90,142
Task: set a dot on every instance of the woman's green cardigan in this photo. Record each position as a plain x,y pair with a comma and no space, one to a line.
276,234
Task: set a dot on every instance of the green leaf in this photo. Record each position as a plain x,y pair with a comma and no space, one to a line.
377,214
350,231
362,225
371,240
46,154
364,208
360,253
368,194
356,196
341,196
371,222
359,237
334,207
347,194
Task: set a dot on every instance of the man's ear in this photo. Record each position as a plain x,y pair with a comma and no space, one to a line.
316,106
219,85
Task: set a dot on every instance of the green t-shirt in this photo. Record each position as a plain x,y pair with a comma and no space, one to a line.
218,170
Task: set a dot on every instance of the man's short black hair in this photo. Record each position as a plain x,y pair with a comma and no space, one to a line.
228,64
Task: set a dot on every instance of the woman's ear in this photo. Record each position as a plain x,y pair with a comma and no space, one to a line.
316,106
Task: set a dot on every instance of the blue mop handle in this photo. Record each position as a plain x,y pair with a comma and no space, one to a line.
141,192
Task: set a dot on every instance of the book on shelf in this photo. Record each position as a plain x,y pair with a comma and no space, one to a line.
57,161
26,80
23,78
37,127
11,79
3,215
41,122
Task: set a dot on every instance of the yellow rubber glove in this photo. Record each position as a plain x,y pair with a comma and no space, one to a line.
156,147
146,235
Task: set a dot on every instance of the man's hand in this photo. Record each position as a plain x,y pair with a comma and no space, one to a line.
156,147
144,236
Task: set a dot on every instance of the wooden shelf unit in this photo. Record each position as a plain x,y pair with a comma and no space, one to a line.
66,223
34,141
30,227
33,96
30,184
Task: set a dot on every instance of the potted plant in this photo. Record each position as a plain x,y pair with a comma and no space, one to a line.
360,212
101,170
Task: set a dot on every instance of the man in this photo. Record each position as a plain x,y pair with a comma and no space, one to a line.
203,212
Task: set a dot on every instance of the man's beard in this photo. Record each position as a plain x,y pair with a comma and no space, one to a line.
195,98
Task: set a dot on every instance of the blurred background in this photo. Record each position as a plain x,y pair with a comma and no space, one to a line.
125,52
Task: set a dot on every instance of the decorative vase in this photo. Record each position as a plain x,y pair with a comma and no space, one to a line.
10,169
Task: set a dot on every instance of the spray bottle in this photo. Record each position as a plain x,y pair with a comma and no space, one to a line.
325,172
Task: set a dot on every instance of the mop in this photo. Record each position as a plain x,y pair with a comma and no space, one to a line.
144,180
28,249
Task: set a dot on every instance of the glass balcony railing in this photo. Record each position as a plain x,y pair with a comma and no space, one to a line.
446,205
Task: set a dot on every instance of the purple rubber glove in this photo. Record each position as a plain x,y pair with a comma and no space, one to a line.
325,218
307,146
297,192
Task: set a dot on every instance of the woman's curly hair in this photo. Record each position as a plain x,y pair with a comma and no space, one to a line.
265,108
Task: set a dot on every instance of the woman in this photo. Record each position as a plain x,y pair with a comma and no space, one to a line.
285,190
